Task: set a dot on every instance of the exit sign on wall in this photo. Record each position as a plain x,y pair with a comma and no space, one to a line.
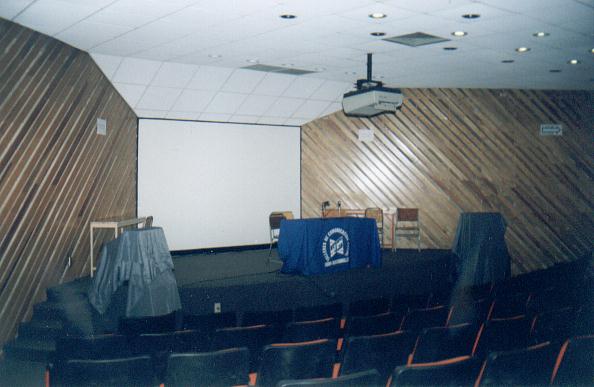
551,129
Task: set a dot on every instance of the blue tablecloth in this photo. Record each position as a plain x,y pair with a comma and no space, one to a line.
316,246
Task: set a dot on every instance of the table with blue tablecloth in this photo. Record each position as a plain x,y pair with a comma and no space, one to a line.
317,246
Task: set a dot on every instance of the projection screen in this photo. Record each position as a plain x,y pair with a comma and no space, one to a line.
212,185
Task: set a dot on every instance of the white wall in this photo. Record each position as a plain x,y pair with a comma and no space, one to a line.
214,184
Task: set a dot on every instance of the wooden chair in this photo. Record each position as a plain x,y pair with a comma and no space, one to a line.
407,225
274,221
378,215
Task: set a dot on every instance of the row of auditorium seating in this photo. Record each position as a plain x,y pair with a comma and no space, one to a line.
293,364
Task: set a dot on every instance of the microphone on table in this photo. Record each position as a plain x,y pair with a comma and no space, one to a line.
324,206
338,205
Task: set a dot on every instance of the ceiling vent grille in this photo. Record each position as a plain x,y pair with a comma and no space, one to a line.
416,39
277,69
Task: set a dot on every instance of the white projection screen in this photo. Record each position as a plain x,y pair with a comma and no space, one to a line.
212,185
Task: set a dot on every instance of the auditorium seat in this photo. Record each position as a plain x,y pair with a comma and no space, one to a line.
92,347
328,328
190,340
380,352
313,359
502,335
406,302
419,319
254,338
268,317
436,344
549,299
531,366
210,322
474,312
151,324
555,326
131,371
372,325
454,372
575,363
227,367
369,307
318,312
151,343
370,378
472,293
509,305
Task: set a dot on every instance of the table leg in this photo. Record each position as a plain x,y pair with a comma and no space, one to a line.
91,249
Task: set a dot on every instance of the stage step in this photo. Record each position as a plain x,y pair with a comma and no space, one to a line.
69,292
30,349
41,329
54,310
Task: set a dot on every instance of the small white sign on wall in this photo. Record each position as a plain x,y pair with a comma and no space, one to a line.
551,129
102,126
365,135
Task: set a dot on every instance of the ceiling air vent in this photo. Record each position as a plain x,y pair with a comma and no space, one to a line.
277,69
416,39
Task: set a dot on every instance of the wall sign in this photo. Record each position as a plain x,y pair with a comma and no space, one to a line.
551,129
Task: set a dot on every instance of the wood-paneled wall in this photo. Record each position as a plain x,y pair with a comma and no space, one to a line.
56,173
449,151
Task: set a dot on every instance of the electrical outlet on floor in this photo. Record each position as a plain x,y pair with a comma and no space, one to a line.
217,307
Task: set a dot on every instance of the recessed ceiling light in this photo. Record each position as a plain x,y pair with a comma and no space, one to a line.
523,49
573,61
540,34
459,33
377,34
592,51
287,16
450,48
554,71
377,15
471,16
214,55
287,64
350,72
507,61
252,60
319,69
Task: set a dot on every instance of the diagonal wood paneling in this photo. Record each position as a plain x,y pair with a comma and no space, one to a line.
454,150
56,173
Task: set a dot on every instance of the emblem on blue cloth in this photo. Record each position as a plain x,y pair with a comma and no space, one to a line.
335,247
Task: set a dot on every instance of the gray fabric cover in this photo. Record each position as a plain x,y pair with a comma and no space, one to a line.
141,257
480,248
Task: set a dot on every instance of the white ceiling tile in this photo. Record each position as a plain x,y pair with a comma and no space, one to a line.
139,71
332,108
256,105
85,35
9,9
61,15
131,93
243,81
303,87
107,63
158,98
284,107
193,100
147,113
174,75
226,103
296,121
244,119
209,78
331,91
177,115
274,84
266,120
215,117
427,5
311,109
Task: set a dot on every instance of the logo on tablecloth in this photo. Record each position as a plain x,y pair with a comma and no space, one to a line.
335,247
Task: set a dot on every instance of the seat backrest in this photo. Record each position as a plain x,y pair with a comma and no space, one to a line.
210,322
375,213
502,335
317,312
407,214
268,317
532,366
152,343
148,222
509,305
436,344
369,307
419,319
555,326
92,347
574,363
380,352
455,372
406,302
190,340
370,378
328,328
254,338
275,220
372,325
131,371
469,312
227,367
314,359
150,324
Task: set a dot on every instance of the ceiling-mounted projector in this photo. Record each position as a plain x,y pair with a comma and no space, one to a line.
371,97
